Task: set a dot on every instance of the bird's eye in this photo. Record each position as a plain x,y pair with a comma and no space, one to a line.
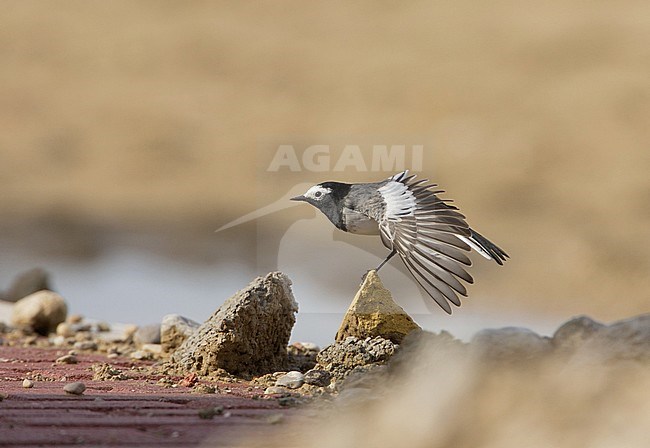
318,194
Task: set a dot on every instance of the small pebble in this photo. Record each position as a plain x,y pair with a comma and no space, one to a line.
28,384
292,380
275,390
3,396
67,359
75,388
85,345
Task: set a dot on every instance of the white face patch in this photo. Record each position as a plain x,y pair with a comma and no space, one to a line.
317,192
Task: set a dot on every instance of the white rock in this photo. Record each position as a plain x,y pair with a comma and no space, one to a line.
272,390
291,380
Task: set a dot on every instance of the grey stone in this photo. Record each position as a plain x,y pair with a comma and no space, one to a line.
510,344
147,334
174,330
573,334
77,388
247,335
67,359
341,357
27,283
41,311
291,380
272,390
320,378
627,339
28,384
85,345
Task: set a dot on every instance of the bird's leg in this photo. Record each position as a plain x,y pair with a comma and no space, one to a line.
390,255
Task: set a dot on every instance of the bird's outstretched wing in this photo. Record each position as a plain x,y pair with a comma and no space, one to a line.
430,235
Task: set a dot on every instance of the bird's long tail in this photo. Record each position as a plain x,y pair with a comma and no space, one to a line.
485,247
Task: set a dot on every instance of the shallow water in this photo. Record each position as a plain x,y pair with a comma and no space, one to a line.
136,286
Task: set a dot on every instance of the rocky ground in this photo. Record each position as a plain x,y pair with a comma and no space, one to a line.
67,380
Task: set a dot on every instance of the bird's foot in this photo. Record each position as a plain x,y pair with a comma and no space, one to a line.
364,276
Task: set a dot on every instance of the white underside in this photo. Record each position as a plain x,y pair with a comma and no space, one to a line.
359,223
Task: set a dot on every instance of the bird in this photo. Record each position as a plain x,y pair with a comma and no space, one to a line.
430,234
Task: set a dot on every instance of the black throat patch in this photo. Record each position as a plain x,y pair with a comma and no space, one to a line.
339,190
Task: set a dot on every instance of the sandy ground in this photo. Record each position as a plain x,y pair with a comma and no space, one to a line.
161,118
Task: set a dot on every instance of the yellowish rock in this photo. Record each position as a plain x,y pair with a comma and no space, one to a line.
373,312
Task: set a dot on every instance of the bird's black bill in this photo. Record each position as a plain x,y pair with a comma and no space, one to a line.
299,198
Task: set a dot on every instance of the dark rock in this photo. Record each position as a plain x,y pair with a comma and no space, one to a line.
27,283
174,330
373,313
573,334
341,357
41,312
247,335
320,378
627,339
510,344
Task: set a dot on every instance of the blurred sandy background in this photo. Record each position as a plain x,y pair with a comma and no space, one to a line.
145,118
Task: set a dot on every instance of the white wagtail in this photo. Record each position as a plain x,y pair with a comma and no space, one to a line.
429,234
